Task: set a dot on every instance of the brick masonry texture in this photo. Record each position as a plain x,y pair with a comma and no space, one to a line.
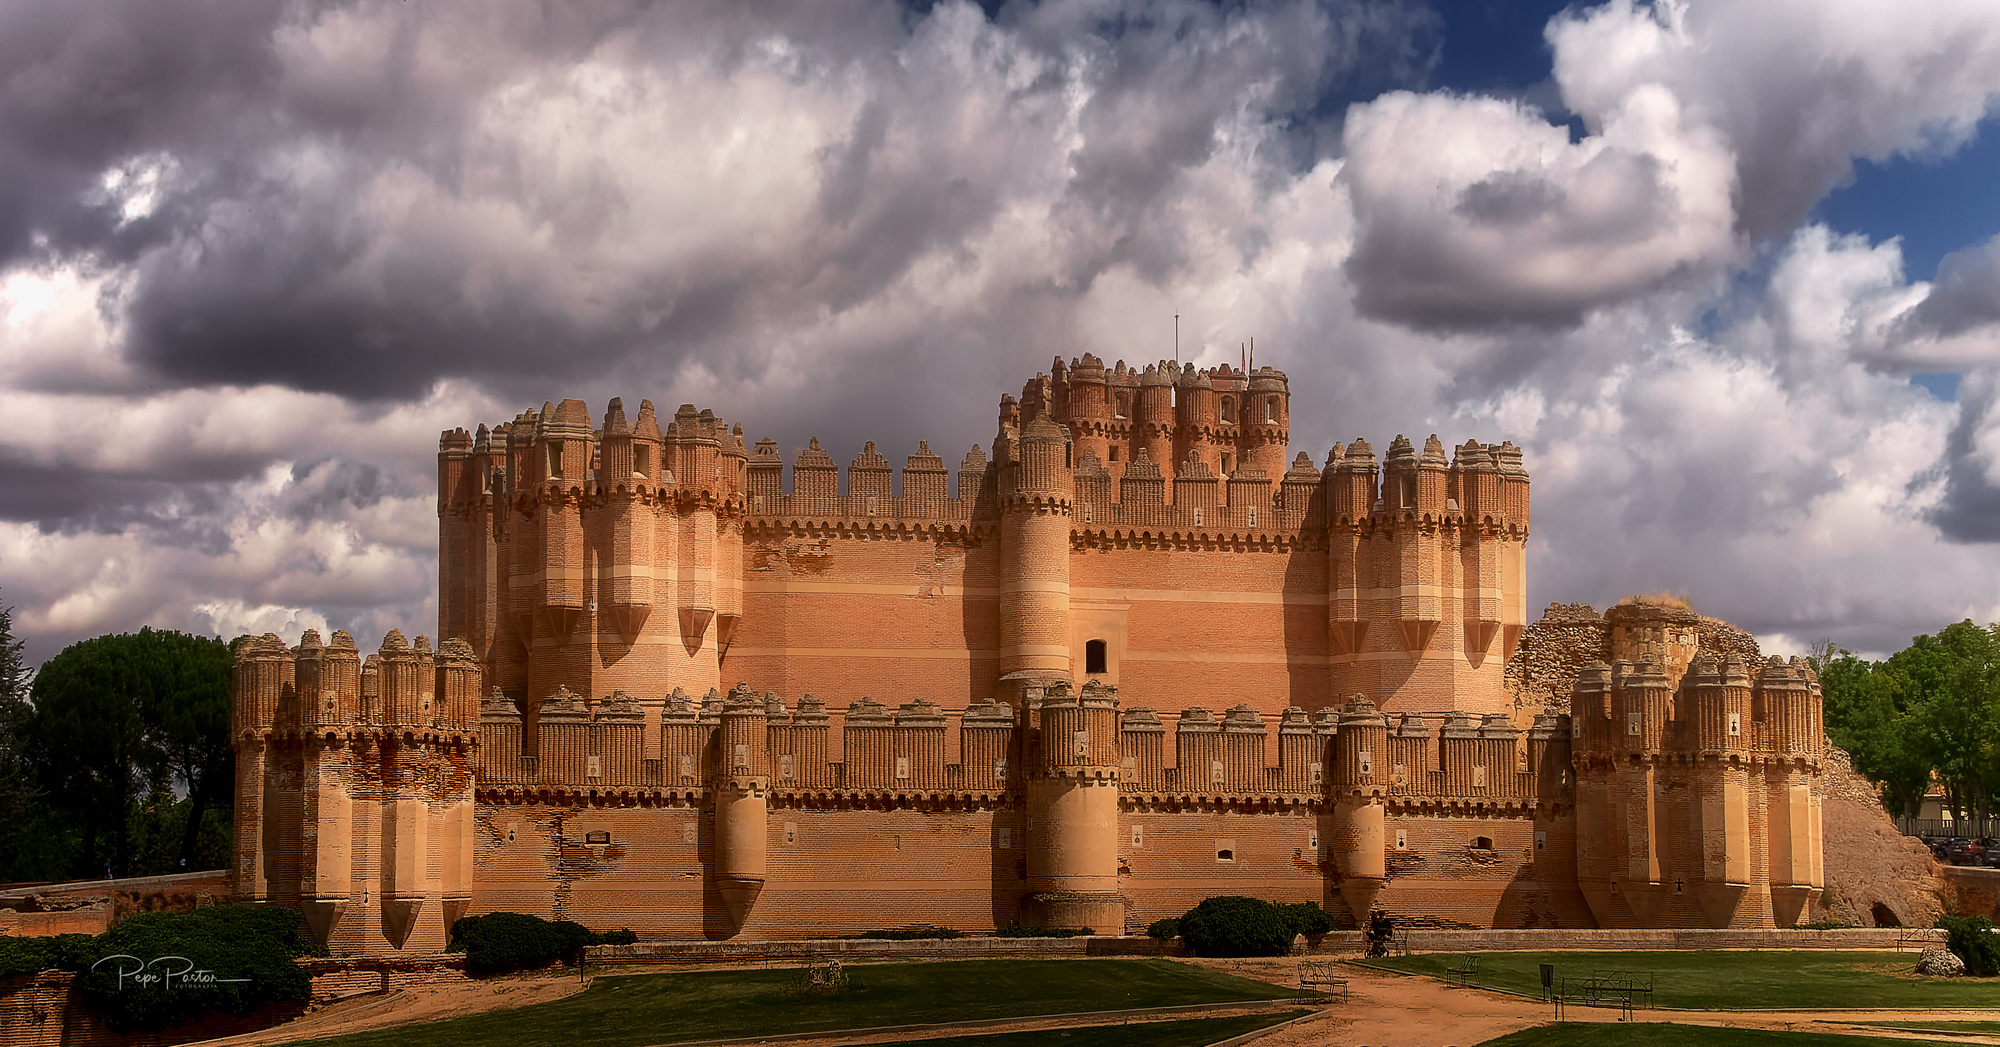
1138,655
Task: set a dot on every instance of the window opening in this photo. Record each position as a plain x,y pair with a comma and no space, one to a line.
1482,843
642,460
1114,452
1124,404
1229,409
1093,657
1225,855
555,460
1271,410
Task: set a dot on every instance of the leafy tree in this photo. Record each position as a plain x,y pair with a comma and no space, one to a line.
120,727
1930,711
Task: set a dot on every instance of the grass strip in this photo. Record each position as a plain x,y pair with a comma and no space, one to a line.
1663,1034
1941,1026
638,1010
1193,1032
1773,980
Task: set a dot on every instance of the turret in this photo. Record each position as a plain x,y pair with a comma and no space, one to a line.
742,782
1089,409
1037,499
1198,423
1073,808
1358,840
1153,426
1267,421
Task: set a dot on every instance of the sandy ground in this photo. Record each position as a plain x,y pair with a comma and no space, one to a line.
1382,1010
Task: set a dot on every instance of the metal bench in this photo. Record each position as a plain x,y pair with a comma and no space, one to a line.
1466,973
1318,977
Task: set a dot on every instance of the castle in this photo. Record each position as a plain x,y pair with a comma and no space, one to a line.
1138,658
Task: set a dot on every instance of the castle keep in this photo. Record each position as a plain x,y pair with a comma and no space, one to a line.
1138,657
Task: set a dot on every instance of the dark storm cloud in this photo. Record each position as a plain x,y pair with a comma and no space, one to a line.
1970,508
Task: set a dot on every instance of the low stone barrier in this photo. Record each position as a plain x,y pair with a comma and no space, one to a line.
870,949
1421,940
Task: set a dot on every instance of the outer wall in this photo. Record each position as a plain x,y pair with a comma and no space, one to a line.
845,870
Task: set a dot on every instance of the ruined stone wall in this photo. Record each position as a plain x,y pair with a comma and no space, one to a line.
1543,670
1875,874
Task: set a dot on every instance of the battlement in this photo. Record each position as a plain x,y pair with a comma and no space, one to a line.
1726,708
329,690
920,751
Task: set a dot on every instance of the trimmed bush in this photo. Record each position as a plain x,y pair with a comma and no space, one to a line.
1165,930
1971,939
499,942
1232,925
62,952
1307,918
256,944
1015,930
914,932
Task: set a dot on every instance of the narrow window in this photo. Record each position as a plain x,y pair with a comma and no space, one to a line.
486,481
1228,463
555,459
1229,409
1271,410
1114,452
642,460
1409,491
1124,404
1093,657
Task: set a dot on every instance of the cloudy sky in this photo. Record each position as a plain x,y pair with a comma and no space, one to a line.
1729,272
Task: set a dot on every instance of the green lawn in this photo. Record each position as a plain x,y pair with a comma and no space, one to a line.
1660,1034
1981,1027
633,1010
1195,1032
1723,980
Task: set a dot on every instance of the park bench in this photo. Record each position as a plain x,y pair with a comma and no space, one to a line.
1318,977
1466,973
1590,993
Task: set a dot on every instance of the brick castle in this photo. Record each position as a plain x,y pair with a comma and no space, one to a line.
1139,657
